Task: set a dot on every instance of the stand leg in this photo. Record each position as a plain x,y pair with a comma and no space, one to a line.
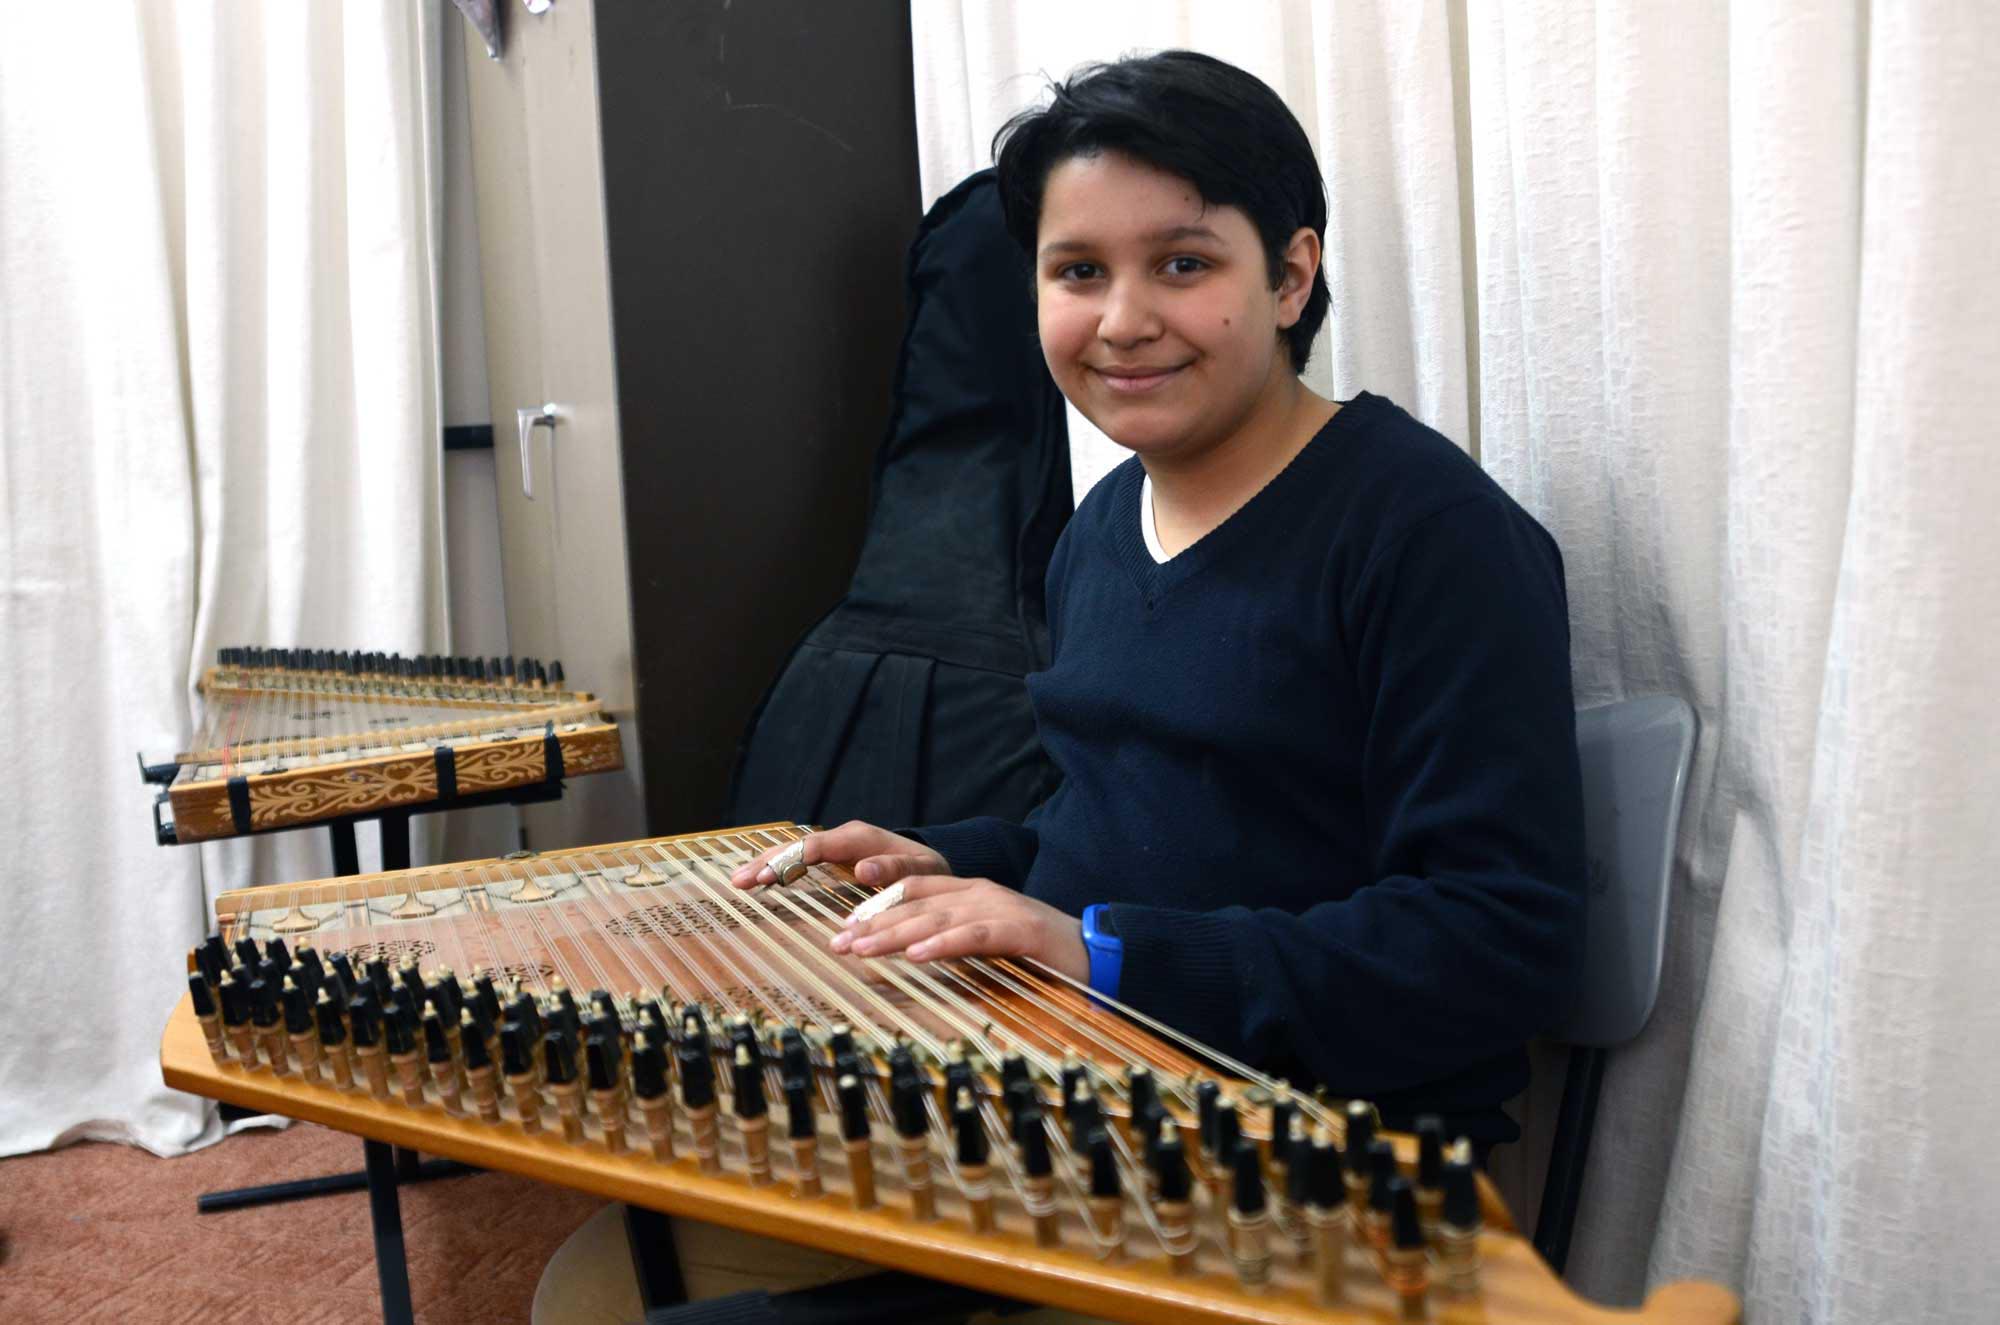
395,826
651,1238
333,1184
346,859
392,1268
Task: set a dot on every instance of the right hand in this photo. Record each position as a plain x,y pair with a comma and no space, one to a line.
877,856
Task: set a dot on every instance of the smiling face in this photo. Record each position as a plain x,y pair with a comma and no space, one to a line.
1157,314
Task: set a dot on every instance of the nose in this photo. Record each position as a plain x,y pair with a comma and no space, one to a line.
1128,316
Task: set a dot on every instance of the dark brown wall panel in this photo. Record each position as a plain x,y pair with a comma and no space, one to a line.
760,189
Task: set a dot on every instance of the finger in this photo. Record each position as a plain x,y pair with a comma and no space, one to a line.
888,908
986,937
887,939
757,871
917,888
887,869
852,839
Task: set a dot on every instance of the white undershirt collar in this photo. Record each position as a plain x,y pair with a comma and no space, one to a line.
1147,529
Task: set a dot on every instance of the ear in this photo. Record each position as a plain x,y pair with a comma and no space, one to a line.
1295,280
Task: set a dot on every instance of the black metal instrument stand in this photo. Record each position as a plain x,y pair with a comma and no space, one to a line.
402,1165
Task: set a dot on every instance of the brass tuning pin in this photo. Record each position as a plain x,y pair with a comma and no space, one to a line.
1430,1173
973,1170
854,1140
1327,1217
479,1069
1039,1166
1360,1135
517,1062
1249,1219
649,1084
803,1134
907,1090
752,1113
1107,1204
1458,1225
1382,1173
1404,1263
559,1067
698,1091
333,1039
206,1013
1175,1185
603,1066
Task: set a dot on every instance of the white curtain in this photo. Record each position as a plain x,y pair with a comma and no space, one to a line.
219,407
1734,316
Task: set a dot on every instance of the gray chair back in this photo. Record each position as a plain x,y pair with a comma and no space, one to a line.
1635,756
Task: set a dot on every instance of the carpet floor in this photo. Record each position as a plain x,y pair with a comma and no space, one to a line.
103,1233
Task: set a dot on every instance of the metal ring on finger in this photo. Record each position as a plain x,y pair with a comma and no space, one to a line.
789,865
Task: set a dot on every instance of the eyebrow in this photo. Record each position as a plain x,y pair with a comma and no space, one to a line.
1167,236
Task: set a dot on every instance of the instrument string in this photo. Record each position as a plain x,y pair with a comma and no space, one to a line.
643,917
773,1079
1132,1176
427,928
454,915
525,917
600,977
488,923
719,993
542,952
911,977
1170,1075
906,975
889,1011
690,869
990,1117
835,885
939,1132
939,1125
871,1081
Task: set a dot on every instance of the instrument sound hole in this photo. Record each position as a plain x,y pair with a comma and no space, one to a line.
784,1008
672,920
391,951
537,973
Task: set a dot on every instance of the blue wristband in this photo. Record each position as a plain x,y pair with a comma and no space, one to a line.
1107,950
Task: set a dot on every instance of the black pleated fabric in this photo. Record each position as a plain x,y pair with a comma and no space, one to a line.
905,704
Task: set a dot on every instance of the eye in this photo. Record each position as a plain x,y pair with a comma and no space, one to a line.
1079,271
1185,265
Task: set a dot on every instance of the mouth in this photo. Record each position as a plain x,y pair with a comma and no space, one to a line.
1137,380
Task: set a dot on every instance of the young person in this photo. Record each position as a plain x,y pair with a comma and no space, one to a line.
1310,687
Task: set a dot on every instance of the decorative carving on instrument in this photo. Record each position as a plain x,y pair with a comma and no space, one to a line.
302,795
394,952
719,1041
670,919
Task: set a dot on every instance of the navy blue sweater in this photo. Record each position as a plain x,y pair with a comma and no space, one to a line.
1322,767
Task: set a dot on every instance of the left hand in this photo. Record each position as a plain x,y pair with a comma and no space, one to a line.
941,916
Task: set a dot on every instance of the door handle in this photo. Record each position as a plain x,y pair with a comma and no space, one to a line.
529,420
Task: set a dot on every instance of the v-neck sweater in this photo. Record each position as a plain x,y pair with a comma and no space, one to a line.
1321,767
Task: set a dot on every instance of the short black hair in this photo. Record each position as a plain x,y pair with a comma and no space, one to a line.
1215,126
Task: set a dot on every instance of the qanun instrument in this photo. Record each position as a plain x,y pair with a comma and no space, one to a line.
621,1020
288,737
